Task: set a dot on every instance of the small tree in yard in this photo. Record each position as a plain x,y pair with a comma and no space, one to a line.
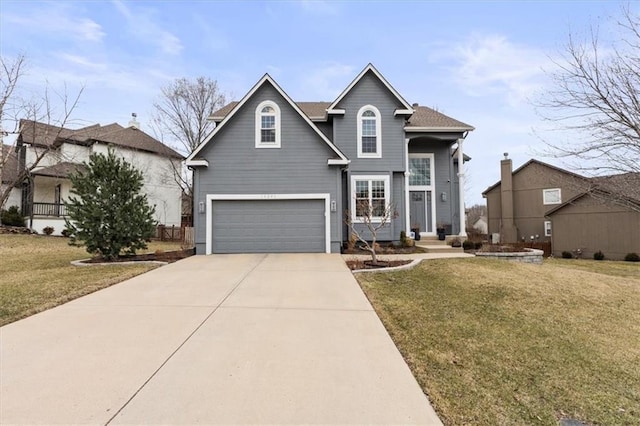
107,213
374,218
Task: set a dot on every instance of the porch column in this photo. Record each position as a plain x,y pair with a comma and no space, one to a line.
463,227
407,218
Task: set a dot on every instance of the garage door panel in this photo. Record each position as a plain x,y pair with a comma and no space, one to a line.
268,226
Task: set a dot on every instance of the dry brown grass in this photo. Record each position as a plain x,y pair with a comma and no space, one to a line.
35,274
493,342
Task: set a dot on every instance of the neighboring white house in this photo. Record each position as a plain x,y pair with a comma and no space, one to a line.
42,194
481,225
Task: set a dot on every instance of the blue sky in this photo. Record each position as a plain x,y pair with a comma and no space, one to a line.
479,62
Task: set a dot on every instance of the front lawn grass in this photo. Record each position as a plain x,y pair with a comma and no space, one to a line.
35,274
500,343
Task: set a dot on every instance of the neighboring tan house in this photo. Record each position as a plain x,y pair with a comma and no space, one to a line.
279,176
576,214
517,205
599,220
43,192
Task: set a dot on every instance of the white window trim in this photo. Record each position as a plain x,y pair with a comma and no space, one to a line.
432,172
387,195
211,198
550,190
378,153
547,228
259,143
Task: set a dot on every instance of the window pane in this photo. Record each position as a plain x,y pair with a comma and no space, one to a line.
368,127
268,110
419,171
268,135
368,114
268,122
369,144
378,207
362,189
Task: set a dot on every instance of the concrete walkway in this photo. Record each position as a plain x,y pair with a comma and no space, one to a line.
256,339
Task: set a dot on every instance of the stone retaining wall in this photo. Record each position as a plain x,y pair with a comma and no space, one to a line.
528,256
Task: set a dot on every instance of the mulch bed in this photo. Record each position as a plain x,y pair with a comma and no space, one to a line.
161,256
366,264
4,229
386,250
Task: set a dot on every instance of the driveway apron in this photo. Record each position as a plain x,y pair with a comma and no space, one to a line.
222,339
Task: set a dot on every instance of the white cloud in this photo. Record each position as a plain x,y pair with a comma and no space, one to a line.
326,82
489,65
59,20
144,29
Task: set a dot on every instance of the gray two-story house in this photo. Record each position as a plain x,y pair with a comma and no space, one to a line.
277,175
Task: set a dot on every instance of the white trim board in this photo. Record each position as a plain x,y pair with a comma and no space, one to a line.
267,197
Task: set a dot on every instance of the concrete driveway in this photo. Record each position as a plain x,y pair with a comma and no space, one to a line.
287,338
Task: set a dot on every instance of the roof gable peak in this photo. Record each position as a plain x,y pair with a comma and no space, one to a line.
408,109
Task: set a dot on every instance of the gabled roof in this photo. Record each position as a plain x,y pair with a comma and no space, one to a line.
534,161
191,161
618,199
370,68
60,170
8,170
42,134
425,119
316,111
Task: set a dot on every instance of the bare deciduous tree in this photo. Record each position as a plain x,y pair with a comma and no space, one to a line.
596,98
36,116
374,220
181,116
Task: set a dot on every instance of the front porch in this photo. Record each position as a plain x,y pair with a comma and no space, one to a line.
433,182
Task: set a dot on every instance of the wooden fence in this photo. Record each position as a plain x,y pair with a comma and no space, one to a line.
182,234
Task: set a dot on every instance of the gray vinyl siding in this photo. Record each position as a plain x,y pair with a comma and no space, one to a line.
446,211
370,91
237,167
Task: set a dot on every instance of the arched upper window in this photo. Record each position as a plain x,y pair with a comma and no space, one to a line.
369,132
268,125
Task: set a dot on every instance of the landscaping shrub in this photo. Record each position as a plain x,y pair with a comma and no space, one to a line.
108,213
12,217
567,255
403,239
632,257
468,245
477,245
598,255
48,230
66,233
456,242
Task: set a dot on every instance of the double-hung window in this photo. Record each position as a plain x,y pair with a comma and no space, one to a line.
268,125
369,132
551,196
370,197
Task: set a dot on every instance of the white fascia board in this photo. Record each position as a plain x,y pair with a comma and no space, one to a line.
197,163
338,162
404,112
336,111
438,129
384,81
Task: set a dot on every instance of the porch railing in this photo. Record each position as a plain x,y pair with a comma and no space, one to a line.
49,209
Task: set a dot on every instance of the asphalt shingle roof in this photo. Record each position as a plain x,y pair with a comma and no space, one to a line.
41,134
422,117
9,172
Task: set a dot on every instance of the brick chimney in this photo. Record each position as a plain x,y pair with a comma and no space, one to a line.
508,230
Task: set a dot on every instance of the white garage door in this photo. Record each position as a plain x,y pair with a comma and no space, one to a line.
268,226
